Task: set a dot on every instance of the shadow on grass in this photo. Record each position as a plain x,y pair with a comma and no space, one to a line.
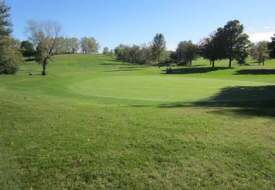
255,72
253,101
29,59
124,69
192,70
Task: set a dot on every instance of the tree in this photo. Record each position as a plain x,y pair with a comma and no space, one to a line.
271,47
74,44
235,42
27,49
134,53
10,55
211,48
145,54
187,52
105,50
69,45
122,52
5,24
159,46
259,51
89,45
46,35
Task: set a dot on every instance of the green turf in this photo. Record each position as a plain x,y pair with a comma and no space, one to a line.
92,125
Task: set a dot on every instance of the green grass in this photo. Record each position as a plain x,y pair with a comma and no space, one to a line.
91,125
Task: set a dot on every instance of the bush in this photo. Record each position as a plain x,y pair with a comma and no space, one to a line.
10,56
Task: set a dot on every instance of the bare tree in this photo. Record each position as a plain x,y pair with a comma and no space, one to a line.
46,36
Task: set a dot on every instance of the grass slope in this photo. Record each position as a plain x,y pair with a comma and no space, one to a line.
91,125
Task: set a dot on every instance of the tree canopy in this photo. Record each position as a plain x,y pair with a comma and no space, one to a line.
10,55
187,52
89,45
27,49
234,41
159,47
259,51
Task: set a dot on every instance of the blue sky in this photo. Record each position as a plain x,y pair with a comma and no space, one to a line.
113,22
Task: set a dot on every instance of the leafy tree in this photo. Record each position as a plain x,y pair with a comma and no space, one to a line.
134,53
105,50
74,44
173,56
159,46
259,51
46,35
69,45
89,45
187,52
235,42
122,53
271,47
145,54
210,48
10,55
27,49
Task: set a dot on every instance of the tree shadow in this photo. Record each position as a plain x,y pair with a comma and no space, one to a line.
255,72
248,100
29,59
193,70
124,69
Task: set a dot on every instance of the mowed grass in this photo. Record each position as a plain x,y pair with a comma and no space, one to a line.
92,125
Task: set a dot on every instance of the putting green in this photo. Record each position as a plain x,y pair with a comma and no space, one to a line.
155,88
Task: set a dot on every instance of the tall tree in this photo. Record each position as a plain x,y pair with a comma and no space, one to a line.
5,23
159,46
259,51
27,49
271,47
211,48
10,56
187,52
234,40
46,35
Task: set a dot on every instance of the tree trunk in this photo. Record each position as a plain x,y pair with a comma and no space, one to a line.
44,72
213,64
210,62
230,60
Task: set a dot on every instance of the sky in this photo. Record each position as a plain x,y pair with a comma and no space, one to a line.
114,22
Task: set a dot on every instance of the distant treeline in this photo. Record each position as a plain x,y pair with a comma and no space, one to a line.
64,46
228,42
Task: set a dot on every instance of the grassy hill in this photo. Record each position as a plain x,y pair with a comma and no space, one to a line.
94,123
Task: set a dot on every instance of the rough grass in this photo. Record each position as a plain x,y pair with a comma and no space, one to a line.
91,125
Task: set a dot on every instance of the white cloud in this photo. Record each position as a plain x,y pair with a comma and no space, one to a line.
267,27
261,36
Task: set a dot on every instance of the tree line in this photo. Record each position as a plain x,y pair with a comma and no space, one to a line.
227,42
